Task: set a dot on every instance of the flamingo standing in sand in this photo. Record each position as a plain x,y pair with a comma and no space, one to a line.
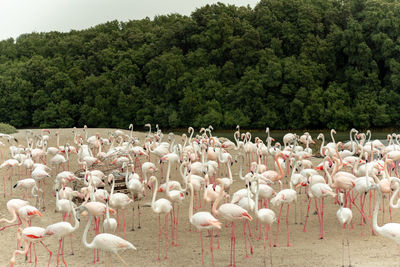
344,216
203,220
107,242
62,229
30,235
161,206
230,212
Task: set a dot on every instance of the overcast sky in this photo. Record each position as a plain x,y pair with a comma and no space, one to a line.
25,16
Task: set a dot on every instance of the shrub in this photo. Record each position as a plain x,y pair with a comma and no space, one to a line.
6,128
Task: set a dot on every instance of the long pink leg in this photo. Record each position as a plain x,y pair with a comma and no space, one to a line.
159,236
58,252
308,210
234,245
245,239
34,250
202,248
4,183
117,221
123,216
287,225
166,236
251,245
172,213
11,184
210,233
218,247
322,215
65,263
50,253
231,262
176,226
383,210
277,227
319,217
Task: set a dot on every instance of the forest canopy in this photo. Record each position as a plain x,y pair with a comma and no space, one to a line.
282,64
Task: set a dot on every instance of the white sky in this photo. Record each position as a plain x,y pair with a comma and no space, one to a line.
26,16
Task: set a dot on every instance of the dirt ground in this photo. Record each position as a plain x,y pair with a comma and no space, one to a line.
306,250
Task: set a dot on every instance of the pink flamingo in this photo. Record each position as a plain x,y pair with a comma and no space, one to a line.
203,220
284,196
161,206
266,217
62,229
30,235
13,205
230,212
9,164
107,242
97,210
344,216
119,201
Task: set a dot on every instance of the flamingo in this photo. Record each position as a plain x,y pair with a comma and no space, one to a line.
107,242
344,216
109,224
389,230
230,212
137,190
30,235
161,206
62,229
118,201
9,164
266,217
203,220
284,196
26,184
13,205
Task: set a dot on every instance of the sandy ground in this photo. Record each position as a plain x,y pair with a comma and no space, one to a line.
306,249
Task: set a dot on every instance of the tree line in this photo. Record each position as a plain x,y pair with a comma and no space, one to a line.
282,64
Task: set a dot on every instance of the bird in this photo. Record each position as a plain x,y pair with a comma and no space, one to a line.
118,201
344,216
203,220
388,230
13,205
30,236
161,206
267,217
109,224
26,184
230,212
106,242
62,229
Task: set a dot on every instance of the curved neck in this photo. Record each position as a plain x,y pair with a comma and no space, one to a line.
191,131
107,211
76,225
322,145
279,167
126,176
375,215
216,203
241,167
191,202
327,173
333,138
395,193
154,194
113,185
167,179
84,241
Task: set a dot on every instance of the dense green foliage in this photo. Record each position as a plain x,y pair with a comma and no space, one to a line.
283,64
7,128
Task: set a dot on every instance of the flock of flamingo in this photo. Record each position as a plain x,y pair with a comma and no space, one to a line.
355,175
